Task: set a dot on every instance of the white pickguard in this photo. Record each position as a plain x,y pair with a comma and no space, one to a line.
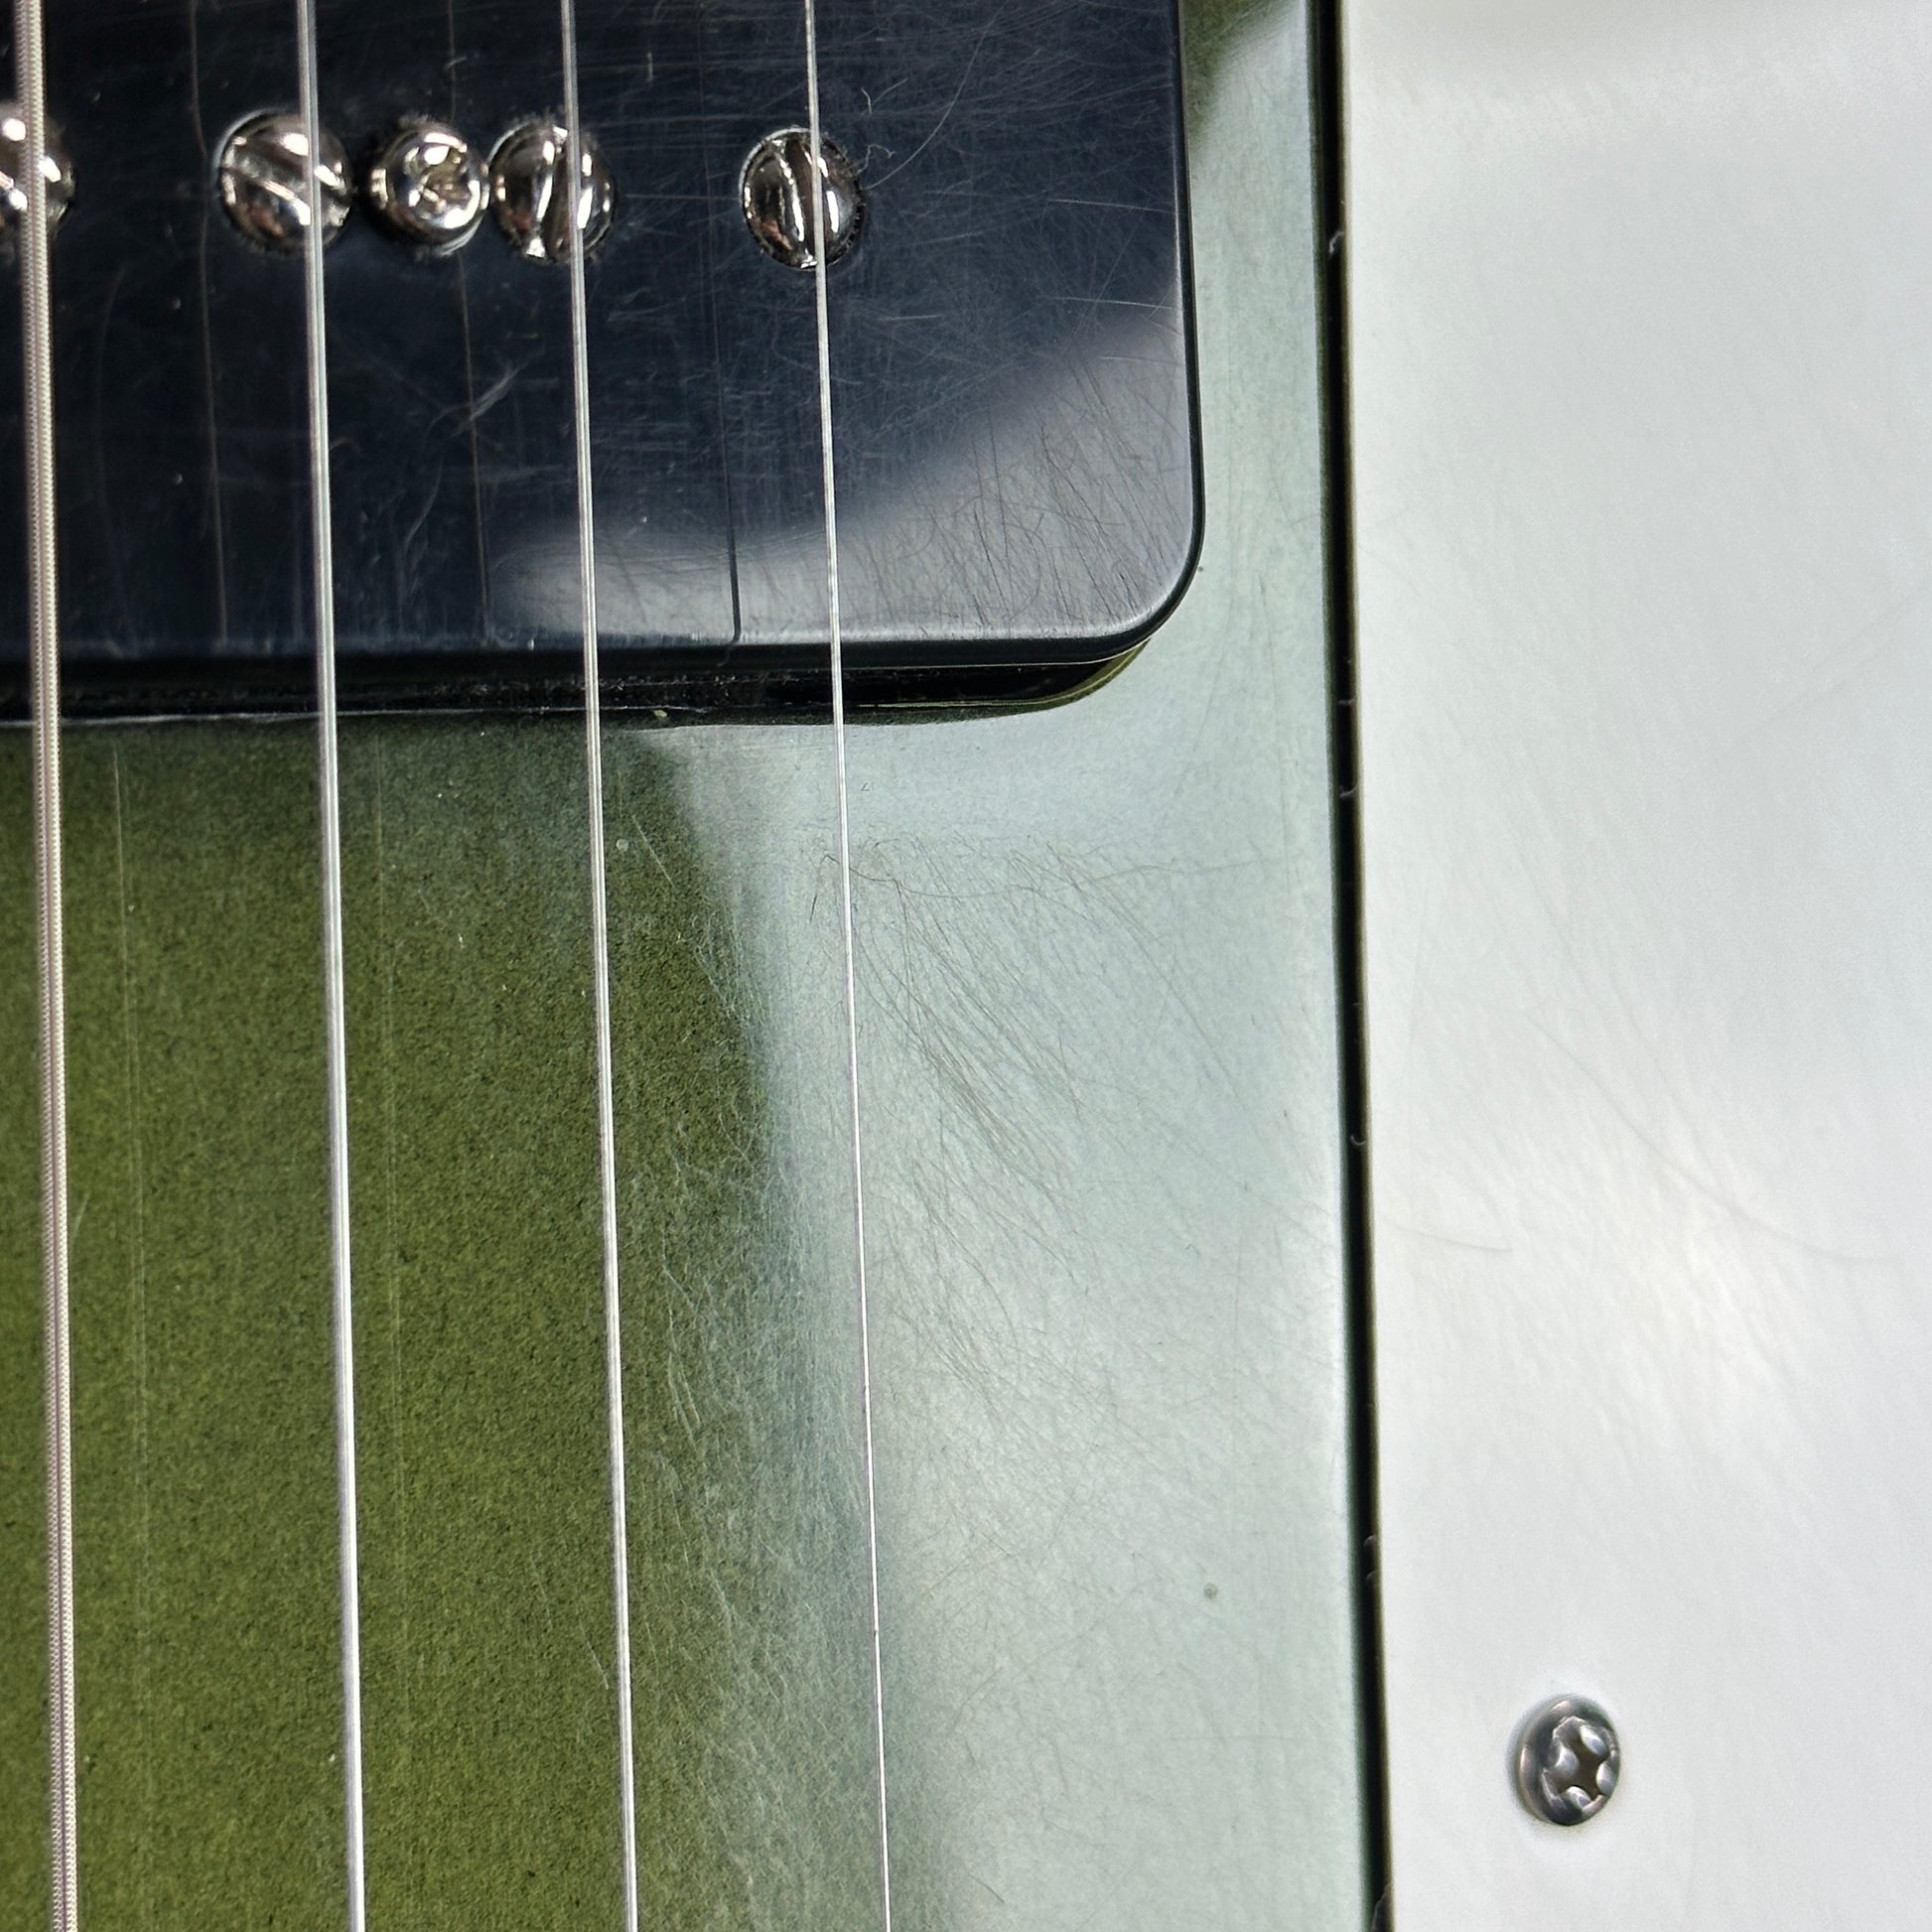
1643,415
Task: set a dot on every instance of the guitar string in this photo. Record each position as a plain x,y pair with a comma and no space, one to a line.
835,625
37,330
44,634
607,1132
335,1003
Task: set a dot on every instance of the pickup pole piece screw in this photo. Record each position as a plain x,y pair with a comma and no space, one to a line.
1566,1761
529,185
56,168
263,175
428,187
778,202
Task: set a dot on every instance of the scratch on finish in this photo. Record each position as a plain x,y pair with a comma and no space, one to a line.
945,114
392,1269
469,372
208,339
138,1348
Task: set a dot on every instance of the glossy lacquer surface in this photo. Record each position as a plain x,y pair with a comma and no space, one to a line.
1642,385
1015,431
1097,1038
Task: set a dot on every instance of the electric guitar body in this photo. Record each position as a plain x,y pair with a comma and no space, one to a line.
834,1393
749,749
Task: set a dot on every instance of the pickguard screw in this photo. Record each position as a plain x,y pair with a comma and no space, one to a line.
1566,1761
57,169
777,204
529,187
263,175
428,187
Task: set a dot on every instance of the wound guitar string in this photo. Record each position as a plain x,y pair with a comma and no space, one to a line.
44,634
334,1017
829,482
607,1132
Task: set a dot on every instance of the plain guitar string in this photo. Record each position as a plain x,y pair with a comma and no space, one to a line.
829,479
36,332
606,1133
43,634
332,969
335,1021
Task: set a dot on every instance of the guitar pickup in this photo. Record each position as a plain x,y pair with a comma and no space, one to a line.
1012,419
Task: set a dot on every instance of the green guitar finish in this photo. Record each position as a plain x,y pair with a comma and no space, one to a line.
1097,1016
205,1518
